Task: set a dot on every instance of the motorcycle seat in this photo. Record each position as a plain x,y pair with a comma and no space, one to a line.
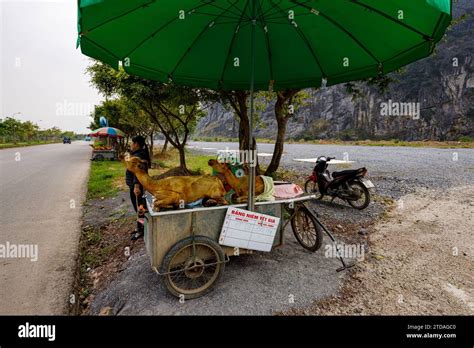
348,172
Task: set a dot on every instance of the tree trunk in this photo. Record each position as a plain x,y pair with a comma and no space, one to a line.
278,149
244,132
282,118
152,143
238,101
243,115
165,146
125,144
182,159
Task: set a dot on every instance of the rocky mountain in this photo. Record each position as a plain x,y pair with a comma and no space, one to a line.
431,99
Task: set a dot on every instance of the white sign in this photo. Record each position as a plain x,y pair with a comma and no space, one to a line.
249,230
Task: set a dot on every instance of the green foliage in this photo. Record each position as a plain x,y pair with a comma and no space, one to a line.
13,131
101,178
353,134
358,89
144,106
173,109
465,139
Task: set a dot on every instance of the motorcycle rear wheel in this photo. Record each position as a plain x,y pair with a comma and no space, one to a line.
364,199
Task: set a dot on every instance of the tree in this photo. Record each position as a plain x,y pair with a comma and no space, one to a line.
29,130
237,100
138,121
173,109
287,104
16,130
126,116
11,128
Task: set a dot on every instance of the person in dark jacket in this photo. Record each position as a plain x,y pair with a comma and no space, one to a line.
138,149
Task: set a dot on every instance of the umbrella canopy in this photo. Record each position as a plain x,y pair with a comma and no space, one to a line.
107,132
206,43
260,44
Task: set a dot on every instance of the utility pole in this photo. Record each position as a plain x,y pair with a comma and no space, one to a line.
14,127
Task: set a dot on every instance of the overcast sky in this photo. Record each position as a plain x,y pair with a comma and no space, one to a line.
41,71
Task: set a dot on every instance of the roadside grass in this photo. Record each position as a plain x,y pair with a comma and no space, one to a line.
197,164
98,247
102,178
107,178
12,145
464,142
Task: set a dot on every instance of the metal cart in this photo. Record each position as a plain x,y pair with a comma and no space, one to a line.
183,245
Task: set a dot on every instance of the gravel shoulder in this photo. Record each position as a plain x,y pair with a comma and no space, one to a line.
420,261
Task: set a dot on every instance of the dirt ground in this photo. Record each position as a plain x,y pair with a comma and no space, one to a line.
420,261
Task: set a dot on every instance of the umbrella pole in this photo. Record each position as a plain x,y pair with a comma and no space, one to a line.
251,193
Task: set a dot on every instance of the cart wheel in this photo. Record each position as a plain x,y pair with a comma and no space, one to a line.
306,230
193,276
99,158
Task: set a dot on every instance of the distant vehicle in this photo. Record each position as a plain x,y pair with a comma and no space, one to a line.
87,138
66,140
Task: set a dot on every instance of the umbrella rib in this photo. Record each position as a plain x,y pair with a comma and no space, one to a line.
238,9
197,38
405,51
266,14
286,17
342,74
143,67
160,29
100,46
211,14
267,41
344,30
232,4
305,40
229,51
120,16
438,24
425,37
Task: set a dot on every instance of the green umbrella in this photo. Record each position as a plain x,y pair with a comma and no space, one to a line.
260,44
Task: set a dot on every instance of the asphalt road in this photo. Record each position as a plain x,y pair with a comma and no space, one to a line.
42,189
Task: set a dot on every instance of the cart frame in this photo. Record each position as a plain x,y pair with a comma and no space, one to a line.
165,230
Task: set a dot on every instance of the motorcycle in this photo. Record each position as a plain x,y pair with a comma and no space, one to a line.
348,185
